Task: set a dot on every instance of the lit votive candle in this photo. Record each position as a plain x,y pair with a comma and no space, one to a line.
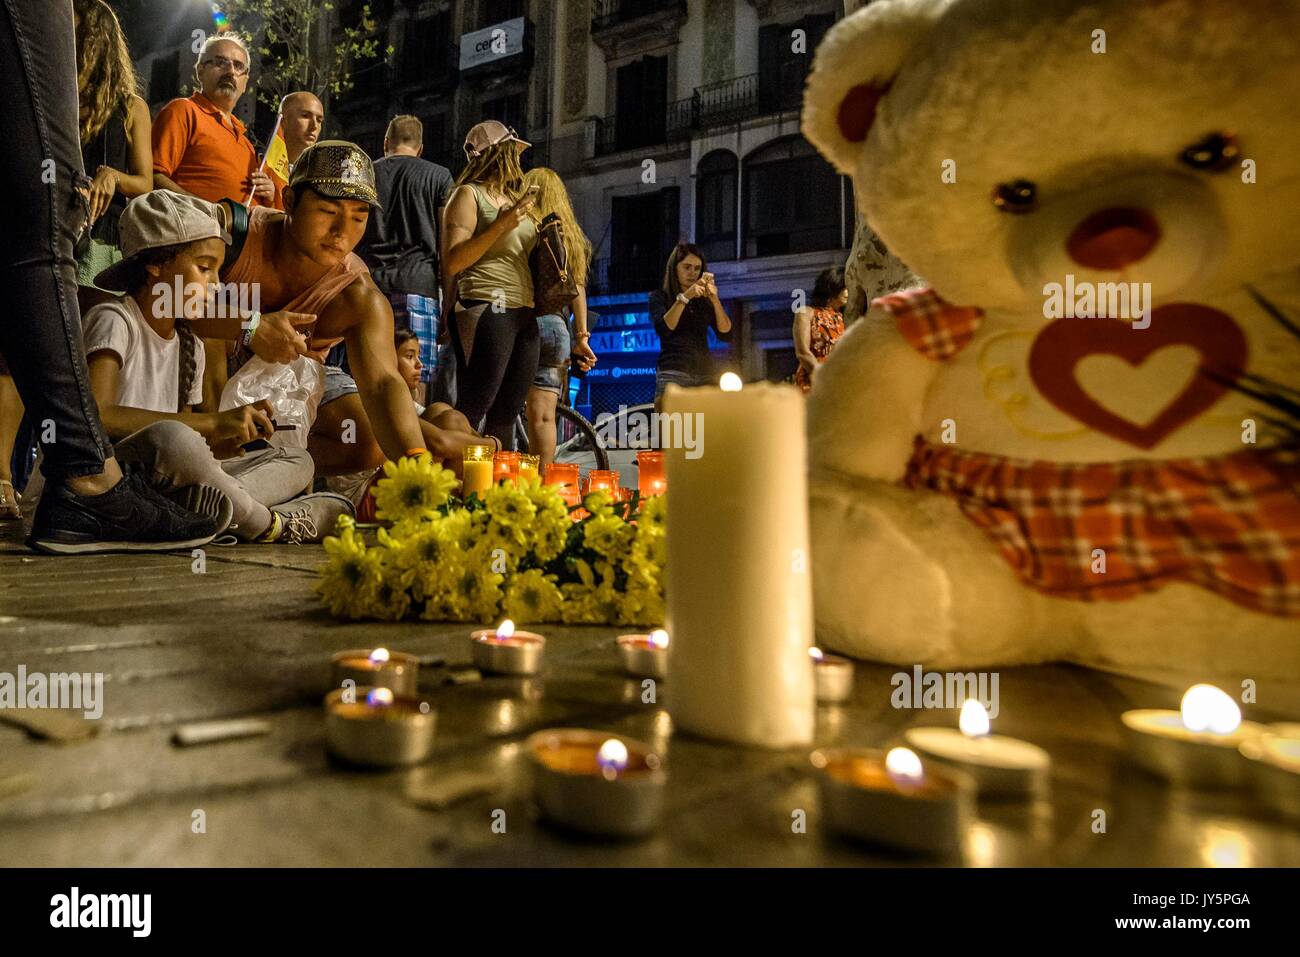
597,783
477,470
529,466
832,677
505,650
379,668
605,480
893,800
374,727
650,472
1197,745
999,765
505,465
645,656
1274,768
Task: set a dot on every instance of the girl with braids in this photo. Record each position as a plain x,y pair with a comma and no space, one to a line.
146,372
557,347
115,138
488,234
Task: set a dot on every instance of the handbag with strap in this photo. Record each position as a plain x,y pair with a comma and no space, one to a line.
554,286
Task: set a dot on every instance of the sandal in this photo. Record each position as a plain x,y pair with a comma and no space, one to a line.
9,502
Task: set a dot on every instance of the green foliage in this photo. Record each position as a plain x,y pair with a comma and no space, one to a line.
301,45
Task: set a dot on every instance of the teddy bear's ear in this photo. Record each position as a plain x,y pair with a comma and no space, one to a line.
853,69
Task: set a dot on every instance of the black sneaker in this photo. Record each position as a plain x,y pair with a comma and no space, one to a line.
129,517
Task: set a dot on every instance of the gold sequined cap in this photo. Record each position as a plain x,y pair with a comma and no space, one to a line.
338,169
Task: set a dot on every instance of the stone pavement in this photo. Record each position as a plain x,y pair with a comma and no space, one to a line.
247,638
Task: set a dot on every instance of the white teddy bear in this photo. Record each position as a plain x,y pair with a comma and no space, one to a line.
1047,455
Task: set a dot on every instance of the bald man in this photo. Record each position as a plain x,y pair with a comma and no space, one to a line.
302,116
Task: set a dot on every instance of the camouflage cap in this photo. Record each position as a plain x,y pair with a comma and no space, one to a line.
338,169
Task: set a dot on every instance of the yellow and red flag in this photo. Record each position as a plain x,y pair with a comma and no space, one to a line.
276,164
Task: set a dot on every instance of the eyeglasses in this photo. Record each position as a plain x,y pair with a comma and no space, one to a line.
221,62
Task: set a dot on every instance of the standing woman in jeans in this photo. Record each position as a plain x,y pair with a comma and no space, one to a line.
488,235
557,345
682,311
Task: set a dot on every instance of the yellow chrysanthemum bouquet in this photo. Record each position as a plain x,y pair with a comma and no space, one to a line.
517,552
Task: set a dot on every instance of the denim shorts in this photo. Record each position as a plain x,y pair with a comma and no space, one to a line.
337,384
666,377
554,355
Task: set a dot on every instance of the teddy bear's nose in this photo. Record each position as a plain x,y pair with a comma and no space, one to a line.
1113,238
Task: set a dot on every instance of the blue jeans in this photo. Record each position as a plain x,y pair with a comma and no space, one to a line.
40,330
664,377
553,354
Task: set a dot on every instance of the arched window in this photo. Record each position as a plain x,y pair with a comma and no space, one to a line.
793,200
715,205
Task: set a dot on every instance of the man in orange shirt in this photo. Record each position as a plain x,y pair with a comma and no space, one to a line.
199,147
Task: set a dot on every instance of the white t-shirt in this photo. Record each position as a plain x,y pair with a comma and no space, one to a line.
150,373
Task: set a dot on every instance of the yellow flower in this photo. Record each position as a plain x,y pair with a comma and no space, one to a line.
532,596
350,575
509,506
653,512
598,502
413,489
607,535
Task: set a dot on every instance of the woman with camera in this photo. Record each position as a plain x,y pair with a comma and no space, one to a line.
682,310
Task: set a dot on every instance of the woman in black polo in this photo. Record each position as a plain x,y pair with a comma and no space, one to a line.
682,311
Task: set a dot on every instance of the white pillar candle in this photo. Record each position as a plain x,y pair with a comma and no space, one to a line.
738,589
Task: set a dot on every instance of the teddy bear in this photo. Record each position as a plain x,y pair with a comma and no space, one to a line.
1062,448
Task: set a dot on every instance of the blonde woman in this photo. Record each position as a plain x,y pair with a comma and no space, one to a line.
115,138
488,235
556,350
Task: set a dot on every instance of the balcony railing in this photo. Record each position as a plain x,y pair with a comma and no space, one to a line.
730,101
610,13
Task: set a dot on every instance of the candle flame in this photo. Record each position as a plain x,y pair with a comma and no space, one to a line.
730,382
974,720
659,638
379,697
612,757
816,654
379,656
1207,708
903,763
505,629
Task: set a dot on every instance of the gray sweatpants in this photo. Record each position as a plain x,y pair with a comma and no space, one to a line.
172,454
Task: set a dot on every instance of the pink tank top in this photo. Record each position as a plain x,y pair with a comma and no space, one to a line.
253,264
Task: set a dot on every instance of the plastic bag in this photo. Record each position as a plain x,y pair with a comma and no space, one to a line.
294,390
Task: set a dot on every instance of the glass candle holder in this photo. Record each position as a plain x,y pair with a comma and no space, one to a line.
650,478
562,473
603,479
477,470
505,465
530,466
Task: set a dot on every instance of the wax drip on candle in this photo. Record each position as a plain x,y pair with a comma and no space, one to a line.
730,382
612,758
659,638
1207,708
904,766
505,630
379,697
379,656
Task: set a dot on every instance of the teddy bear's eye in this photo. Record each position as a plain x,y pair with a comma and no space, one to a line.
1216,152
1017,196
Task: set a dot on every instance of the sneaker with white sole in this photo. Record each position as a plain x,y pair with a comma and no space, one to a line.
310,518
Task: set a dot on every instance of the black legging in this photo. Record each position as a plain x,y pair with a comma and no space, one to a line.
502,363
40,167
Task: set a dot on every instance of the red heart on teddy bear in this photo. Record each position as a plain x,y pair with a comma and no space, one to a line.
1058,349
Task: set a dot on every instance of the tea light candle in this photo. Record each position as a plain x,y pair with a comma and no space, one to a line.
374,727
477,470
1274,768
832,677
1197,745
894,800
1000,766
505,650
645,656
597,783
380,668
650,472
